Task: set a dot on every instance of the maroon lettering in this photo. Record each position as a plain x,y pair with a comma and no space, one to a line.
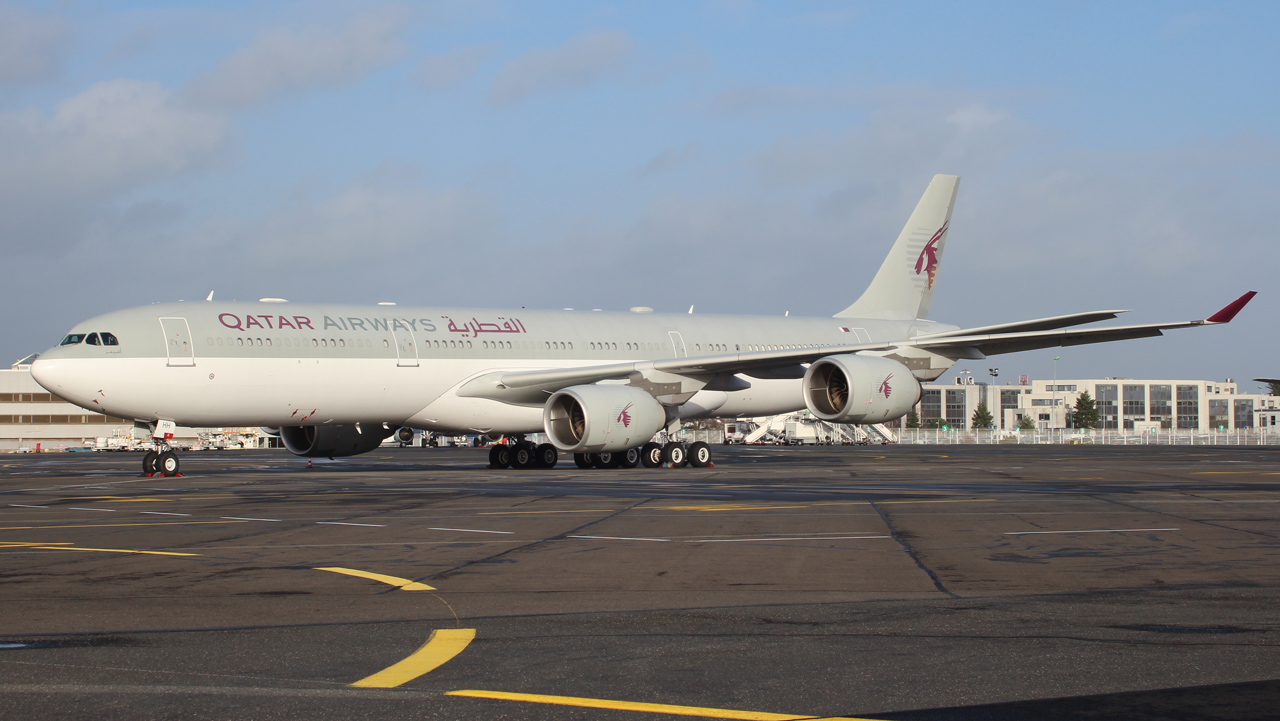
303,322
283,322
268,319
224,316
250,321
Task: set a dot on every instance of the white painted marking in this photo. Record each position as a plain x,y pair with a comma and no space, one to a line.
162,513
340,523
6,646
238,518
806,538
107,510
1101,530
468,530
619,538
23,505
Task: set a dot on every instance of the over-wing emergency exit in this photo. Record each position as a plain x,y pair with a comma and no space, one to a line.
336,380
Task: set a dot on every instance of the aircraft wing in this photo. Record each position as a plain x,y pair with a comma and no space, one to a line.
533,386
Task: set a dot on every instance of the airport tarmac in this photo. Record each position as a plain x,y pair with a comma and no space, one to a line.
882,582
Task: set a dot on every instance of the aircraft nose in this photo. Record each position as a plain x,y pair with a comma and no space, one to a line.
51,374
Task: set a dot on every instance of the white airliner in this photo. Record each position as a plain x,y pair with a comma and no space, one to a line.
336,380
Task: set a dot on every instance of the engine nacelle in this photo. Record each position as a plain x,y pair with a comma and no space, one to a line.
859,389
332,441
591,419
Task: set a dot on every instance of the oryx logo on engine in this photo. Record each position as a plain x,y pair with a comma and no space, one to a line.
886,390
625,418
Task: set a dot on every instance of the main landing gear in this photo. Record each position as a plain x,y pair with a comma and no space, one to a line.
162,462
523,454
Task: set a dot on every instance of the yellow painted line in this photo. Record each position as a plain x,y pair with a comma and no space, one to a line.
116,525
111,550
648,707
403,584
20,544
440,647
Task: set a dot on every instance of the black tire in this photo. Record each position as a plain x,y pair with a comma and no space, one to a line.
547,456
608,459
500,456
629,458
167,463
675,454
149,463
699,454
522,456
583,460
651,455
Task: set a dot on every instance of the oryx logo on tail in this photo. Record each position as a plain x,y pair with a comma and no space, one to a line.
928,260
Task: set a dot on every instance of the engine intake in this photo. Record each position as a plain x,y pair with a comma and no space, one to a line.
859,389
332,441
592,419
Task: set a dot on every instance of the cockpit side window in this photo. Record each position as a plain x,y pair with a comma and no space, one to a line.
93,339
109,339
72,339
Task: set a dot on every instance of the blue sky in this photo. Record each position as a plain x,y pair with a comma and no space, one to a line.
745,157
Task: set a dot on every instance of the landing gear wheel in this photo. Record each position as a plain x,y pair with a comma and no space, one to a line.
167,463
499,456
149,463
546,456
699,454
582,460
651,455
629,458
608,459
675,454
522,456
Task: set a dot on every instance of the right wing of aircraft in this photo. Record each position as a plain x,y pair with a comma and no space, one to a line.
533,386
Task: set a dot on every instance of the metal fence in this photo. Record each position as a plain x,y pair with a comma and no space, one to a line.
1071,436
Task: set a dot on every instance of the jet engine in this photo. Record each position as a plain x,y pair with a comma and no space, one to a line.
859,389
332,441
592,419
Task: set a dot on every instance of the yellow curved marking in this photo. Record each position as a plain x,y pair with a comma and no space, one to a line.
403,584
648,707
439,648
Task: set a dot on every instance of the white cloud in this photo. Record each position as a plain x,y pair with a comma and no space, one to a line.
440,71
112,138
286,62
580,61
31,45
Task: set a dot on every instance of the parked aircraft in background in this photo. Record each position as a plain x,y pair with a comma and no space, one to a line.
336,380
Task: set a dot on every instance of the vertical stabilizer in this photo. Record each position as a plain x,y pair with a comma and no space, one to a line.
903,287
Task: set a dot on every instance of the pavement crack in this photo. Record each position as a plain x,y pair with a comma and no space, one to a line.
937,582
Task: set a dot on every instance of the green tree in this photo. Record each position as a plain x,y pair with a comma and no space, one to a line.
1275,387
1027,423
913,419
933,423
1086,412
981,417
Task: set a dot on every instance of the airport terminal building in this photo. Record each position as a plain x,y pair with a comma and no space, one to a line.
1123,404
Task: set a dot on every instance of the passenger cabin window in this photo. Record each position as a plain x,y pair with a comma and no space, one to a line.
109,339
72,339
93,339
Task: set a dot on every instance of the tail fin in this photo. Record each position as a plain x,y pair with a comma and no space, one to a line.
903,287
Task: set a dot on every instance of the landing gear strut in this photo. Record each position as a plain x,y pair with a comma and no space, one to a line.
161,462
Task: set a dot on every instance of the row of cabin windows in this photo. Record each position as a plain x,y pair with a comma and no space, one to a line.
456,344
51,420
90,339
29,398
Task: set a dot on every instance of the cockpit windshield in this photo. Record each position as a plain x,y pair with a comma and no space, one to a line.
72,339
93,339
108,339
